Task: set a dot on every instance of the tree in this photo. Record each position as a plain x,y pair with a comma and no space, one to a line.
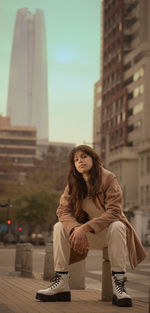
34,198
36,209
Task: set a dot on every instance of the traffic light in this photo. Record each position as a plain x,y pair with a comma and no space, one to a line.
9,222
20,228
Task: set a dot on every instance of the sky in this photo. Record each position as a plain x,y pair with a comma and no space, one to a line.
73,50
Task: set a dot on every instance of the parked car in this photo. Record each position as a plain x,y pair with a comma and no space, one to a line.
37,239
22,238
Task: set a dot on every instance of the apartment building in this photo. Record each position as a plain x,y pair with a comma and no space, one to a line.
97,116
125,103
55,156
17,145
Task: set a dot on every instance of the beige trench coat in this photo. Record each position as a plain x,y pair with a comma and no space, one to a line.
109,202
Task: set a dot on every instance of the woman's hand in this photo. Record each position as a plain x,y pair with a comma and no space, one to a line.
79,241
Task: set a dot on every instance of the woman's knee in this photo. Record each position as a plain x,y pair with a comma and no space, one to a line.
58,227
117,226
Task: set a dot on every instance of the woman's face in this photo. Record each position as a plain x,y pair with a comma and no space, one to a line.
83,162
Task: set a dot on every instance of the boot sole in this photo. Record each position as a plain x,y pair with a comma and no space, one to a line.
126,302
63,296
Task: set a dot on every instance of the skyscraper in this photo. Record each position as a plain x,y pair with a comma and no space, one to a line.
121,103
27,103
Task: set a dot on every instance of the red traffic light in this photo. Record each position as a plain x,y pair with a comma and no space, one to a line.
20,228
9,222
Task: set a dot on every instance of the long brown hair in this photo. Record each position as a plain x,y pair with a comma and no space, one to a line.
76,183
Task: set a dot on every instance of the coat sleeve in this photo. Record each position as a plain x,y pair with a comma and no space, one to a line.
112,204
65,212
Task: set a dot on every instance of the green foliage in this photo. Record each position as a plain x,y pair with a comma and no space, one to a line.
36,208
33,192
34,199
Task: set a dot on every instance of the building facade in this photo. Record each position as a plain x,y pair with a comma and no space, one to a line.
55,156
17,149
125,103
97,117
27,103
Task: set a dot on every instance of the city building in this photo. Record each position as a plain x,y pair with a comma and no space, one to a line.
123,130
55,156
17,149
20,151
97,117
27,103
44,147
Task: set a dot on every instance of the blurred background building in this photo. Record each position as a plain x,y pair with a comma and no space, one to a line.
32,177
122,103
55,156
17,149
21,152
27,103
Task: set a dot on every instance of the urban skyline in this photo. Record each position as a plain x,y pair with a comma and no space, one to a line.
72,31
27,102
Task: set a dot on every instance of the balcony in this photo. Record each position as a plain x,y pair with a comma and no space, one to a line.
129,5
129,22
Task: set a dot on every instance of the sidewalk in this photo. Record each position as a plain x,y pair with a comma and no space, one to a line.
17,295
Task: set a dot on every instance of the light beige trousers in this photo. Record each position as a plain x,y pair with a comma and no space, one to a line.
113,237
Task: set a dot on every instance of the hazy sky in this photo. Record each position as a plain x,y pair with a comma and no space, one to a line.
73,49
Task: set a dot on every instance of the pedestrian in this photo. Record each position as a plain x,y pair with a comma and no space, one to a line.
91,217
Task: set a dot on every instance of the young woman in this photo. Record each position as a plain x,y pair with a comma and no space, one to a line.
90,216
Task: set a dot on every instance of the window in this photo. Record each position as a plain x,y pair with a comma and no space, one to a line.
130,95
142,71
130,128
122,101
111,122
138,74
99,89
130,112
141,89
8,150
17,142
138,90
138,108
148,164
128,81
19,133
111,138
142,166
118,119
123,116
120,172
138,124
98,103
127,66
117,105
147,194
142,194
121,133
118,74
138,57
130,143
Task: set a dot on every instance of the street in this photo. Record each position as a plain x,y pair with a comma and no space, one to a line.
138,280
